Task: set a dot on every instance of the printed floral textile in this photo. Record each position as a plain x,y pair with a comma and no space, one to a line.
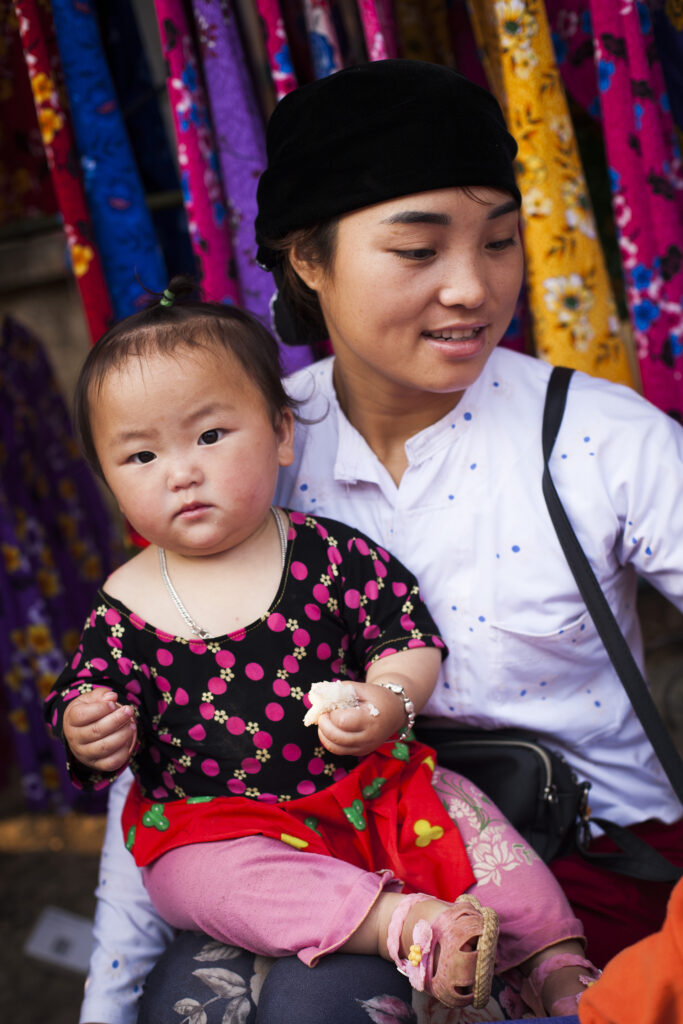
570,301
647,193
57,543
54,119
378,30
25,185
123,227
322,38
277,47
199,173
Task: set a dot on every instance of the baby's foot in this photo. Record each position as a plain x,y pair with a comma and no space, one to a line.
557,983
447,949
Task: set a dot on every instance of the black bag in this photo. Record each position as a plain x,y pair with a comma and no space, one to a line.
534,787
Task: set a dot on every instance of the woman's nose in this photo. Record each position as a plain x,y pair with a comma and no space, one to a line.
463,284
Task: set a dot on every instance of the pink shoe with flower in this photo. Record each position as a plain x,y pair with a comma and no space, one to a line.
462,940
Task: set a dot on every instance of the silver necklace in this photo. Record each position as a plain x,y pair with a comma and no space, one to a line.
196,629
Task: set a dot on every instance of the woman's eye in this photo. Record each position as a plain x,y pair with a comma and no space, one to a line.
210,436
418,255
140,458
502,244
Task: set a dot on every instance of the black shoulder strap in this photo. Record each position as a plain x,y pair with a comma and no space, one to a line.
596,603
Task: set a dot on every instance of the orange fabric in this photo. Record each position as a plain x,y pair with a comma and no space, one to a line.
644,983
384,814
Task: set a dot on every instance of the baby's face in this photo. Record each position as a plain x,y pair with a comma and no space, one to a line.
188,447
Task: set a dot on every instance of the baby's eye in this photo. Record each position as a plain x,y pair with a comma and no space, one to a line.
140,458
211,436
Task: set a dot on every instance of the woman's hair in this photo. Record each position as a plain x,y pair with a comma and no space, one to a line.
316,244
173,321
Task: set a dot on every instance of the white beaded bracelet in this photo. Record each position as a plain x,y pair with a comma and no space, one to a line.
408,707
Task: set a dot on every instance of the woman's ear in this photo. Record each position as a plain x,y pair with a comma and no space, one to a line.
306,266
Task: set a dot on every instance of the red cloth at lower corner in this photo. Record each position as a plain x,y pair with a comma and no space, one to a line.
616,910
383,815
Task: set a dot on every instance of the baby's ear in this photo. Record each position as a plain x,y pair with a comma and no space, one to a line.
284,430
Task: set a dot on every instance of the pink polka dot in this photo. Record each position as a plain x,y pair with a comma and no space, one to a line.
371,632
124,666
416,643
399,588
161,707
336,666
114,641
407,622
236,786
99,664
321,530
297,517
334,556
299,571
155,755
301,637
263,739
226,659
217,685
76,660
267,798
181,697
380,569
145,670
210,767
197,733
197,647
167,780
352,598
111,617
371,590
239,634
387,651
383,554
274,712
251,765
276,622
312,611
136,621
362,546
235,725
291,752
340,773
207,711
165,638
362,615
164,657
164,736
316,765
254,671
159,793
163,684
282,688
324,651
290,663
321,593
306,787
84,673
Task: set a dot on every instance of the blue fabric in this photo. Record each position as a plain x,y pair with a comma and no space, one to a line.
123,227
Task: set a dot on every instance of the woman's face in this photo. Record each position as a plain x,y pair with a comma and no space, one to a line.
421,291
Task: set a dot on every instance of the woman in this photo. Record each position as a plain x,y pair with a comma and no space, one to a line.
389,216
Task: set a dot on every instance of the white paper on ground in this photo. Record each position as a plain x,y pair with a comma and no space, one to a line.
62,938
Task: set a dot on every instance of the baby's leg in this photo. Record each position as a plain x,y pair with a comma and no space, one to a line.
536,921
263,895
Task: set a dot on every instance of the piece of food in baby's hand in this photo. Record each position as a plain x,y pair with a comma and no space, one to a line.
327,696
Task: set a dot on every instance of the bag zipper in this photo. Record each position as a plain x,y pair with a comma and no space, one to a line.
550,789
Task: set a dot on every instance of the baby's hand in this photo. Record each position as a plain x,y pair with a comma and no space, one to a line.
101,733
361,730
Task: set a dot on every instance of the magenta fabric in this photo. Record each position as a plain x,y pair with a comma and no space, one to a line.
277,47
200,179
647,193
380,40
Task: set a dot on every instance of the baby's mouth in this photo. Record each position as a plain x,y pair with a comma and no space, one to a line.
447,335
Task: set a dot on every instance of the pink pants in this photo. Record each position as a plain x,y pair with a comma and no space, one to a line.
260,894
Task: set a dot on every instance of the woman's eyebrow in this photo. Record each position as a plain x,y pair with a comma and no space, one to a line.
418,217
499,211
